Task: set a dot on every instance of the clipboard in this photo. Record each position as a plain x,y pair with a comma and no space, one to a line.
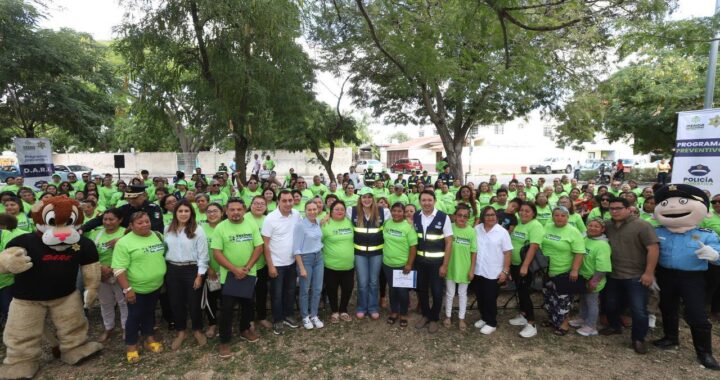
235,287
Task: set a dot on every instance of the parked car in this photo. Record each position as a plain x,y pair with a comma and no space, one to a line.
63,170
589,168
363,165
9,171
552,164
406,165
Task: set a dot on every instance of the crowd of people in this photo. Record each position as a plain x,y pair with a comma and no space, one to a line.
200,246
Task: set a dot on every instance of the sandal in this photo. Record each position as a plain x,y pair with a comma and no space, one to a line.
391,320
403,322
560,331
154,347
133,357
345,317
335,318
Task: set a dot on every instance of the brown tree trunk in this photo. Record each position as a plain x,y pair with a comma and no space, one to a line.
241,149
326,162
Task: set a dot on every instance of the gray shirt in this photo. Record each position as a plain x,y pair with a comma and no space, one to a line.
629,242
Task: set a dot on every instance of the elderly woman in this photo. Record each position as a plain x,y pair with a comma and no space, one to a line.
564,245
339,258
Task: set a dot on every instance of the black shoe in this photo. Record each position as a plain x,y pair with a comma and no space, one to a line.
610,331
639,347
291,322
278,328
708,361
666,343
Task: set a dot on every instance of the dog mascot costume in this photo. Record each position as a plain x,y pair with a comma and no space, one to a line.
685,251
45,264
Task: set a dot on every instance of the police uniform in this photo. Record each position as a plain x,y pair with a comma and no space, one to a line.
412,181
401,182
154,212
370,178
426,180
681,274
447,178
429,259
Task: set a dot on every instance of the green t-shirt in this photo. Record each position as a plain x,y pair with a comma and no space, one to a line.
269,164
544,215
464,245
167,218
220,197
143,258
440,166
209,231
484,199
380,193
247,195
576,221
105,195
595,213
531,232
560,245
399,237
24,223
11,188
650,218
271,206
498,206
394,198
711,222
101,239
260,263
350,201
320,189
597,259
338,250
7,279
237,242
200,217
307,195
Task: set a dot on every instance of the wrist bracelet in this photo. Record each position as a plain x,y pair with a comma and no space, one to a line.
128,289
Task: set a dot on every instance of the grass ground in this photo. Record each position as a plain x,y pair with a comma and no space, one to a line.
364,349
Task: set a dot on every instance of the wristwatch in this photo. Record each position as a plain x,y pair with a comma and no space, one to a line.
125,291
506,272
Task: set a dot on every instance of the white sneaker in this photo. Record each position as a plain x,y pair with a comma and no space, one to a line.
577,323
587,331
487,330
480,324
518,321
307,324
317,322
528,331
652,319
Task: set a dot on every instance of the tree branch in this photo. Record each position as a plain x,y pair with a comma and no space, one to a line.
543,5
197,26
505,40
544,28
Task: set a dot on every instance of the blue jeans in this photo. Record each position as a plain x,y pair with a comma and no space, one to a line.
282,292
399,297
616,291
311,286
368,274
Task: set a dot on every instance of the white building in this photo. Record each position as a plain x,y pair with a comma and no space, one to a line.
506,148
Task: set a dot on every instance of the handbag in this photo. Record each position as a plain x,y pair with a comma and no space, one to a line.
540,262
213,285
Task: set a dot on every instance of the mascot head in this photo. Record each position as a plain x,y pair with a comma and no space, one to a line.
58,219
680,208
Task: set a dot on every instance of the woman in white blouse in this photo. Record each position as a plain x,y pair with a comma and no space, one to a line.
187,262
492,267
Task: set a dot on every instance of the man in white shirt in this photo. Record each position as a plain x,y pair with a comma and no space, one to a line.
433,255
256,167
277,233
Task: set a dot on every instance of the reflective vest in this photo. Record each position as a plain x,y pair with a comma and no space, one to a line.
431,242
368,240
401,182
426,180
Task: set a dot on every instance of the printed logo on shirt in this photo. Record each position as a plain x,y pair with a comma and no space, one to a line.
155,248
239,238
461,241
519,235
343,231
104,246
56,257
395,233
553,237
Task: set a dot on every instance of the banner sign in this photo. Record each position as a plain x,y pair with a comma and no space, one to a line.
35,160
697,150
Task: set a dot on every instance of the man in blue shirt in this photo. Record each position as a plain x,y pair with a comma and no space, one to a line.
685,252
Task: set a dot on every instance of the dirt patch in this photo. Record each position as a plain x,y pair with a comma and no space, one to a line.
365,349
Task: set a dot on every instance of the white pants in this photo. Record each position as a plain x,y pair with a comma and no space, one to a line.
450,294
109,295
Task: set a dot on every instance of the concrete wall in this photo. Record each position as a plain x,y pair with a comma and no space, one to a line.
166,163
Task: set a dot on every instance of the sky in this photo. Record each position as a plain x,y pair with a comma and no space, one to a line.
98,17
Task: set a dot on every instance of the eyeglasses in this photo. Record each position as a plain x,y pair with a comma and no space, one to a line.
715,202
616,208
486,215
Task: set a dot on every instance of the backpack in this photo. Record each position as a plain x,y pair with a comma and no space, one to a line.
540,262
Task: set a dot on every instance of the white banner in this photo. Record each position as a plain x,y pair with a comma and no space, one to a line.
697,150
35,160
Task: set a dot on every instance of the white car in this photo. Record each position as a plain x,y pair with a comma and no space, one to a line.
553,164
77,169
363,165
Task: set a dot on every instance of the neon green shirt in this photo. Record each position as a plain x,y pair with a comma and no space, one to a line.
597,259
544,215
711,222
247,195
143,258
560,245
101,239
320,189
338,249
464,245
209,232
531,232
237,242
576,221
394,198
399,237
7,279
220,197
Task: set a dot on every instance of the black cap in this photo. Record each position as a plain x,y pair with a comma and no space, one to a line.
133,191
683,191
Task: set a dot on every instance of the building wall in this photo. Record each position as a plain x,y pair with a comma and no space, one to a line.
166,163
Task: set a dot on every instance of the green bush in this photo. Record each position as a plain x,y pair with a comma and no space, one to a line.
642,175
588,174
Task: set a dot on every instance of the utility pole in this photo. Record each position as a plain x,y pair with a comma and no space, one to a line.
712,67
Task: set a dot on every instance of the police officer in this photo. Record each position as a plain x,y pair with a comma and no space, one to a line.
370,177
433,253
413,179
137,201
400,181
425,178
685,252
447,177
